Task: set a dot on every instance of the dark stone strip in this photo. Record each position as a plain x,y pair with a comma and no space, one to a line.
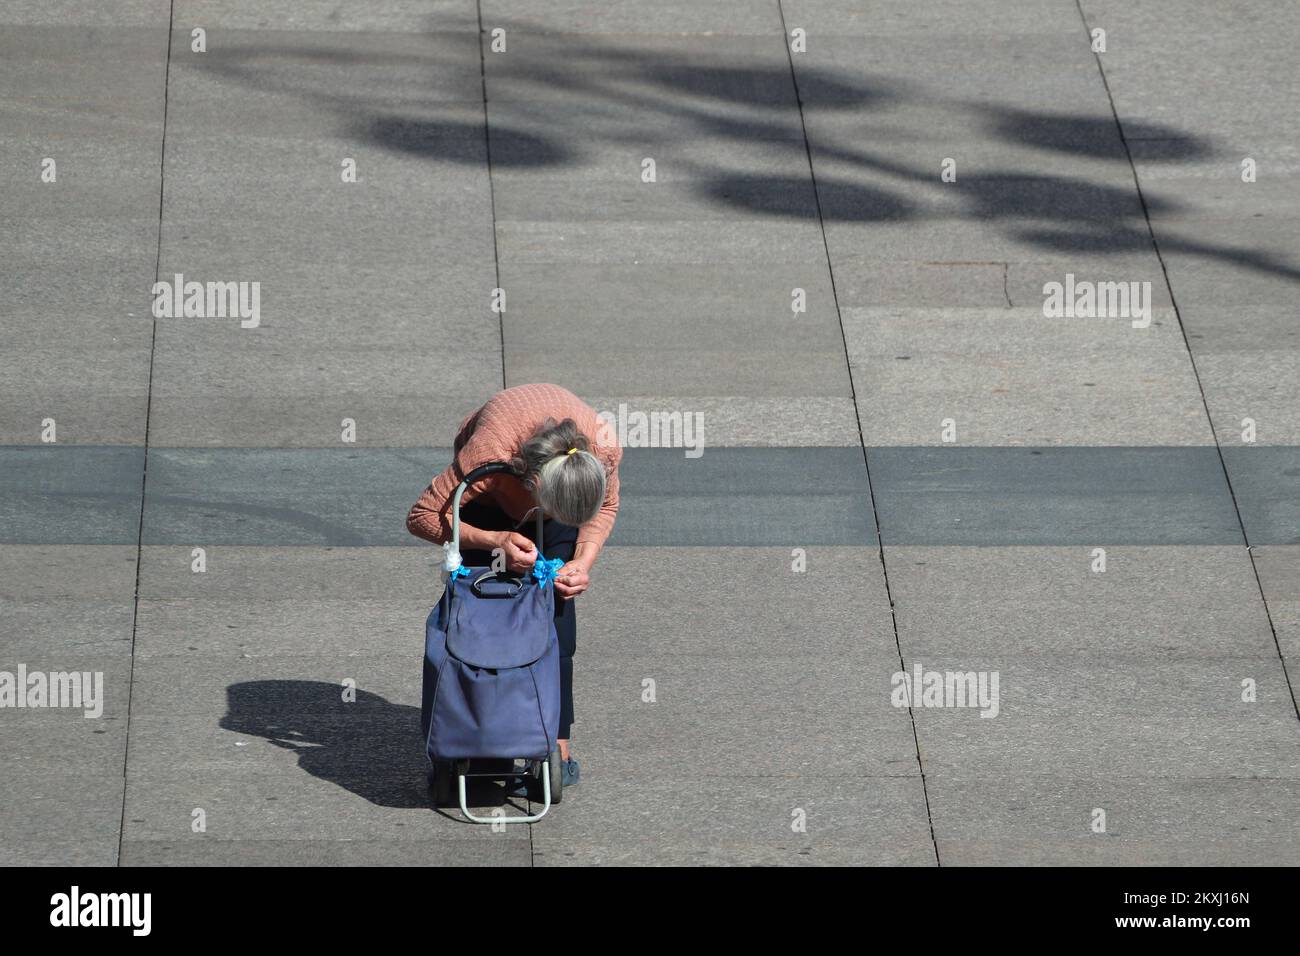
729,497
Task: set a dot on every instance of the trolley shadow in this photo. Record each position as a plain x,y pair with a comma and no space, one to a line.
370,747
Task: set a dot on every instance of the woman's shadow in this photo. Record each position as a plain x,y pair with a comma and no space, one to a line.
368,746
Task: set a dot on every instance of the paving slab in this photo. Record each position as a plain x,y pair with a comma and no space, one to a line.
737,420
1150,68
373,755
1027,281
82,268
251,250
1221,327
793,373
673,307
78,598
730,17
876,281
1251,385
1011,376
737,603
52,72
66,743
739,820
791,716
293,624
1231,288
1052,496
362,755
272,750
314,308
62,794
262,179
310,82
867,282
371,492
690,243
1000,402
87,372
275,601
321,298
394,16
703,337
299,806
1150,603
1112,719
930,123
571,130
76,851
59,817
702,192
839,72
1212,186
64,13
846,18
696,71
1047,820
882,227
997,182
206,851
700,502
87,689
1259,249
269,395
70,494
1264,482
105,167
704,168
1278,567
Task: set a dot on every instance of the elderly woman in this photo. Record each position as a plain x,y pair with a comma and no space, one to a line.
566,459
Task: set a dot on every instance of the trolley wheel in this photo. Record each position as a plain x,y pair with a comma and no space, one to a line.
553,764
442,783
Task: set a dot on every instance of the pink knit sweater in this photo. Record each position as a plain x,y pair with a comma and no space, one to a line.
495,433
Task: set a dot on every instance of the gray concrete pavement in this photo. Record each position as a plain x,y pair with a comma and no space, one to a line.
1145,713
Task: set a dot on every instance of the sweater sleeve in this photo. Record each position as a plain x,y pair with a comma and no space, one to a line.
430,516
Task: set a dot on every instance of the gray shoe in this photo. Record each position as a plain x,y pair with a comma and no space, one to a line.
569,772
531,787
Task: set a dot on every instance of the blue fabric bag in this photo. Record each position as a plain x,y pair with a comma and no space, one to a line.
491,668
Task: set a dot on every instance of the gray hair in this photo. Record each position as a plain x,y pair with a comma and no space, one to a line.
557,465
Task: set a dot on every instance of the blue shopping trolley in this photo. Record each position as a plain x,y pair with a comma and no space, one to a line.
492,673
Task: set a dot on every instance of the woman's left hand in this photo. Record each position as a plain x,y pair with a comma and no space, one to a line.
572,579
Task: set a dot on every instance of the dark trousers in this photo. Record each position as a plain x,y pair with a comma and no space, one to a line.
558,541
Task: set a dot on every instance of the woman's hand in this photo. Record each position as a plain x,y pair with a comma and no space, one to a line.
519,551
572,579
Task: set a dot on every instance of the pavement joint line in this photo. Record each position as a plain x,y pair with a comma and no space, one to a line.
144,470
857,414
492,198
1191,357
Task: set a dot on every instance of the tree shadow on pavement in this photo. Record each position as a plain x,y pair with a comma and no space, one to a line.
559,100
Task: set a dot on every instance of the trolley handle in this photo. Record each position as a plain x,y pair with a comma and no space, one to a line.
482,471
512,582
